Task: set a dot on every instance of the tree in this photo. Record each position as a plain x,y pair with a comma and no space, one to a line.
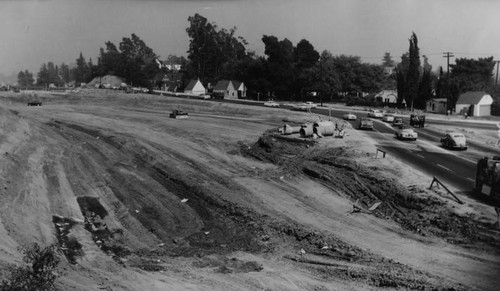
387,60
305,56
39,273
81,72
25,79
64,73
43,77
472,75
212,51
413,74
279,64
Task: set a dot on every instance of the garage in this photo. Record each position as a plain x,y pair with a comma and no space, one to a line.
474,103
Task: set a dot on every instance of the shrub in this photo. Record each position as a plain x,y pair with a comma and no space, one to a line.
39,273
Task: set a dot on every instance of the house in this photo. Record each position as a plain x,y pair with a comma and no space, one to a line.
240,88
387,96
474,103
436,105
195,87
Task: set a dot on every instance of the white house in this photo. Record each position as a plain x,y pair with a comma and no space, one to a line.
387,96
231,89
474,103
195,87
436,105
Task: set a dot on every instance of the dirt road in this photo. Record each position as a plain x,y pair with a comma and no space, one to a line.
136,200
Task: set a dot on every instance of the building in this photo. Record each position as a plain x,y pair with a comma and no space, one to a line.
230,89
195,87
387,96
437,105
240,88
474,103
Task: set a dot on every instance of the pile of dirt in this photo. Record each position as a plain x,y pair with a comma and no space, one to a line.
108,80
342,170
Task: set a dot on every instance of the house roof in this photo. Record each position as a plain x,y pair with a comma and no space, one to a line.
222,85
191,84
237,84
471,97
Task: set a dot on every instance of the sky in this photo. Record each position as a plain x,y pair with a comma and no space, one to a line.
34,32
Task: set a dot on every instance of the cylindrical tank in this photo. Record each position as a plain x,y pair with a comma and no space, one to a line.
306,130
324,128
287,129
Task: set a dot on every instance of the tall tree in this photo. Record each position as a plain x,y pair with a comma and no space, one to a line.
387,61
25,79
305,56
413,75
401,75
81,70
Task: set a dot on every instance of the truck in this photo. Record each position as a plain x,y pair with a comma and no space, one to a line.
417,120
487,183
178,114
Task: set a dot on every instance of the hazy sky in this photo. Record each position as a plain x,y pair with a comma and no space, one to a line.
38,31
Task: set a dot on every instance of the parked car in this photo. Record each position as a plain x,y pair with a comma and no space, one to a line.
350,116
311,104
388,118
397,122
375,113
454,140
406,132
366,123
271,104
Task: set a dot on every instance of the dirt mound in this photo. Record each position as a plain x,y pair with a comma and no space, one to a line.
341,169
111,80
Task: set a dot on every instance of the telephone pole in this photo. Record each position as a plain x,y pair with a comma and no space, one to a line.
496,80
448,55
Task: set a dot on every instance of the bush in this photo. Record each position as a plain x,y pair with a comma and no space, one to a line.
39,273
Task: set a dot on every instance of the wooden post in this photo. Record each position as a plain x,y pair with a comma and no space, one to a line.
434,179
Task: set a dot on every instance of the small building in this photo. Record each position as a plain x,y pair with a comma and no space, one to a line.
231,89
240,88
474,103
387,96
195,87
436,105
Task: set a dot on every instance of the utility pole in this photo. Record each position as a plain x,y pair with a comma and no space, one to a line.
447,55
496,80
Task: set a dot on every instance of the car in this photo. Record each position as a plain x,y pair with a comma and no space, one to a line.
454,140
388,118
35,103
349,116
397,122
406,132
301,107
271,104
366,123
311,104
375,113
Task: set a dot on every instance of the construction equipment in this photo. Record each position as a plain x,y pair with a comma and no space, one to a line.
178,114
488,182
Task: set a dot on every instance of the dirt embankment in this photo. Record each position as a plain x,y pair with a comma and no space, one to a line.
123,190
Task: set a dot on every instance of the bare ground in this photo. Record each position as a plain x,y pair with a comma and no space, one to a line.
137,200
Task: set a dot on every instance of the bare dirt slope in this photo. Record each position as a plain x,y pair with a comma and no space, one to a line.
137,200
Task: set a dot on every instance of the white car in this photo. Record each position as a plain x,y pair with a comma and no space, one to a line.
375,113
301,107
311,104
271,104
388,118
406,132
454,140
350,116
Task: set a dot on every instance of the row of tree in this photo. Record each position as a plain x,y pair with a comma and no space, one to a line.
286,71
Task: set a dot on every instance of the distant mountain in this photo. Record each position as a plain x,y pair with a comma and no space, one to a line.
8,79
